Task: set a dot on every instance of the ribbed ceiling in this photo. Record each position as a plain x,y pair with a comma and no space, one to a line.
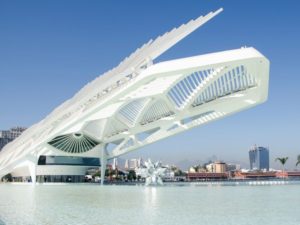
73,143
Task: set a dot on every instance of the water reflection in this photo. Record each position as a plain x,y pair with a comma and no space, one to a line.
136,205
151,195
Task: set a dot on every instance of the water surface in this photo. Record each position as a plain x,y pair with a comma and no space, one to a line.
140,205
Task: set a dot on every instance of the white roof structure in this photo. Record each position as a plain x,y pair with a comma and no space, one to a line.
138,102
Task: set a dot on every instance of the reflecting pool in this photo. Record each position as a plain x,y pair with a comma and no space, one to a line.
92,204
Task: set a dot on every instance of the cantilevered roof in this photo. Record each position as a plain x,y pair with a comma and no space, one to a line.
128,67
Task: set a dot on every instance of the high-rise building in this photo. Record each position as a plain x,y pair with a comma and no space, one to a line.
7,136
259,158
217,167
233,167
15,132
3,142
131,164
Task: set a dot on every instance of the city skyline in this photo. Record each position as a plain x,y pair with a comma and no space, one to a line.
7,136
56,59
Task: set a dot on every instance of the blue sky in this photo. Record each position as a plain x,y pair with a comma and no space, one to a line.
50,49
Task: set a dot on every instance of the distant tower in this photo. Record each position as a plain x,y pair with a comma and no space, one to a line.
259,158
115,164
140,162
126,164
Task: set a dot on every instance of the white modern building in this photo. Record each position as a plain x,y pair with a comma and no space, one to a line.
137,103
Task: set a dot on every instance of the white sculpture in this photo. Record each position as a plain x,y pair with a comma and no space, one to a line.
153,172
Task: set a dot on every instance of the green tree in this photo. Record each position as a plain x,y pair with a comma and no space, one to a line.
7,177
97,174
179,173
282,161
131,175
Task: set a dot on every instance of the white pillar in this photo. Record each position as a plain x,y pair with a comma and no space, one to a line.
103,163
32,170
32,167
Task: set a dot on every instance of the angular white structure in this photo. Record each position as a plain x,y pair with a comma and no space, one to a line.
138,103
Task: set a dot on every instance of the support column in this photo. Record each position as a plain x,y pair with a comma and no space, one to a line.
32,171
32,167
103,163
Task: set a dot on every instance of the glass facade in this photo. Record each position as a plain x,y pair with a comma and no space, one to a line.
52,179
259,158
60,178
68,160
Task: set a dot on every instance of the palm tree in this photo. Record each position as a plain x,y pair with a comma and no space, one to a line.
282,161
298,160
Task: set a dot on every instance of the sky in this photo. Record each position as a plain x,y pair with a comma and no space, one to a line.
50,49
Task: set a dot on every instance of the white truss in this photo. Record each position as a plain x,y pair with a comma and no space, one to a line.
138,102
